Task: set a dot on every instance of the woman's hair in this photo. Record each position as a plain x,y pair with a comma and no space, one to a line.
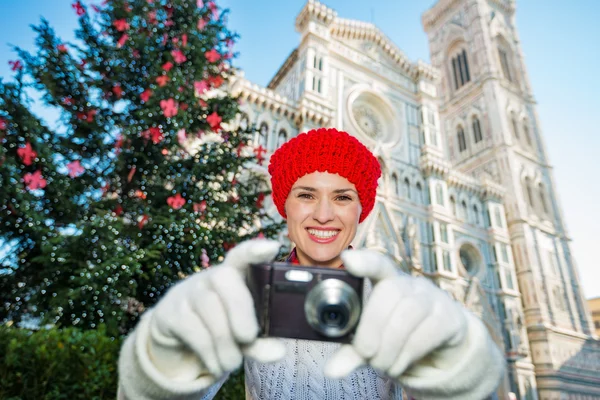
325,150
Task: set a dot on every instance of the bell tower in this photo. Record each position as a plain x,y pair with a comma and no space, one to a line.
491,128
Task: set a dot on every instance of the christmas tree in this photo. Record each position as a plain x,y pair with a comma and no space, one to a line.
144,181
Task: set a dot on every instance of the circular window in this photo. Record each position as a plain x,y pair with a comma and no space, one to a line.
470,259
373,117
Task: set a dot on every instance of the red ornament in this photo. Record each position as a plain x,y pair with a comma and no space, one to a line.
153,133
78,8
260,199
2,124
27,154
34,180
67,101
203,103
214,120
139,194
201,24
122,40
15,65
183,106
96,8
162,80
178,56
212,56
83,63
216,81
152,17
169,107
227,246
240,148
176,201
143,221
131,173
145,95
75,168
200,87
121,24
118,144
87,116
200,207
213,7
62,48
184,40
167,66
259,152
118,210
117,90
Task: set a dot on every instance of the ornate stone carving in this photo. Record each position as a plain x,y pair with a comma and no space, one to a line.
369,122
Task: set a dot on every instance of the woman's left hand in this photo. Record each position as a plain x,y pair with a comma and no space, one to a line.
414,332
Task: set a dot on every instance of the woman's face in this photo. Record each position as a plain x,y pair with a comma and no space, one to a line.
322,210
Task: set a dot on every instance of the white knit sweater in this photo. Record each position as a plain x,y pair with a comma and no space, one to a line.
300,376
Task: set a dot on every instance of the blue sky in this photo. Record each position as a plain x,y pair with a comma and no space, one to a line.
558,39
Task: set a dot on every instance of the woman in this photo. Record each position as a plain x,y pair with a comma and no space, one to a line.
410,335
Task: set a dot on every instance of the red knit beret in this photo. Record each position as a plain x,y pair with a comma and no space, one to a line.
325,150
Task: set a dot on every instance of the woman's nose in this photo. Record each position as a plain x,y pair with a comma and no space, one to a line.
324,211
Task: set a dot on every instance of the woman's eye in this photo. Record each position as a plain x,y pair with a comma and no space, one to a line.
305,196
344,198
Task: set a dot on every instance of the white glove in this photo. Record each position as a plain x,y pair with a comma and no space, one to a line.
414,332
204,325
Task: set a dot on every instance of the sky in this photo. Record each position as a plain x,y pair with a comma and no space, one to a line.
558,39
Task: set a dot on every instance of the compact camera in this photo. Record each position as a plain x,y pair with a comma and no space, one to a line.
300,302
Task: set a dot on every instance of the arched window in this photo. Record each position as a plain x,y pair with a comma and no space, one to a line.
281,137
498,217
406,188
320,64
460,69
529,191
439,194
244,122
263,134
515,127
505,58
315,62
542,195
395,184
476,214
419,194
453,206
464,211
462,143
526,133
477,130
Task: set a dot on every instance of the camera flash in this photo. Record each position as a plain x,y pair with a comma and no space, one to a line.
298,276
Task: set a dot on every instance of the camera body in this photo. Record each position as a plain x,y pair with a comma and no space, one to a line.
300,302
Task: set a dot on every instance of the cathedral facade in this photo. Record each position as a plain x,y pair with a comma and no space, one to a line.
467,196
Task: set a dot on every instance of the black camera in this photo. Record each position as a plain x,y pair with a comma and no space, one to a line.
300,302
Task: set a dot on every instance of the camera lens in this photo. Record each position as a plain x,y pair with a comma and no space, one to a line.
334,315
332,308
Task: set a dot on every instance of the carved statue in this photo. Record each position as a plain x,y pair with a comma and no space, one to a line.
411,235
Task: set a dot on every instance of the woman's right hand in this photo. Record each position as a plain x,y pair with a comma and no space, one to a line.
205,324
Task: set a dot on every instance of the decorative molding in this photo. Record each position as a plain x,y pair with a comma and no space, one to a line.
305,110
283,70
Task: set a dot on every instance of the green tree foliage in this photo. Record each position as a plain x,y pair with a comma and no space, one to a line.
144,180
